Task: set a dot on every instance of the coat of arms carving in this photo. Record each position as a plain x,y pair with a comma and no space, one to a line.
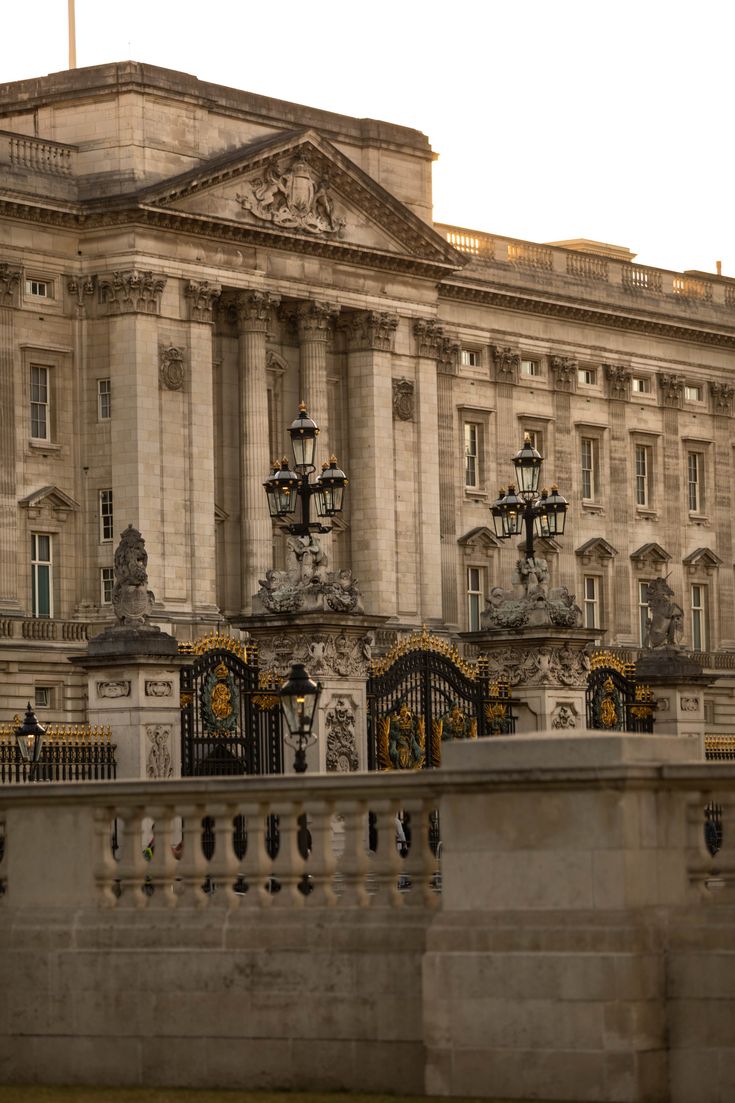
295,197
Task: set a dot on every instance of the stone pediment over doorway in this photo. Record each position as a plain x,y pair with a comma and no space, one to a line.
297,185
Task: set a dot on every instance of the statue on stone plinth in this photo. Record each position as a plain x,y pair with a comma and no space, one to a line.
665,618
132,601
531,602
307,585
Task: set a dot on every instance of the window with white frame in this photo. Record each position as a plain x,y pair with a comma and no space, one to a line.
530,367
589,459
470,358
643,471
693,392
40,402
40,289
587,376
592,586
106,522
695,482
475,597
699,617
107,582
472,438
536,438
104,400
42,601
641,384
642,612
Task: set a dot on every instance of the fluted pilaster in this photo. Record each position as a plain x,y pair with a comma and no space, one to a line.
315,323
253,312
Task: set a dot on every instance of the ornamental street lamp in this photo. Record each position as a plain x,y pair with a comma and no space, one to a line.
299,697
286,487
29,738
541,513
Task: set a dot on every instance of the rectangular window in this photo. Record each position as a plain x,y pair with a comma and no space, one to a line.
474,598
699,618
587,376
536,438
643,612
693,393
695,481
641,385
642,475
471,454
591,601
470,358
530,367
39,402
104,400
42,289
42,697
107,581
41,575
588,456
106,522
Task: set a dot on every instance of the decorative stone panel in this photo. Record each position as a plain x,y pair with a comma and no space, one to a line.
403,400
171,368
159,761
339,722
156,688
113,689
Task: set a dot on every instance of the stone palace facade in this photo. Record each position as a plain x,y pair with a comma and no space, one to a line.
182,263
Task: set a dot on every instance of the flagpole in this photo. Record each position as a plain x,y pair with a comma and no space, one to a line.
72,37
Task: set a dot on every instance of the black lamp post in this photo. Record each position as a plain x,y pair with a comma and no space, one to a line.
285,486
299,697
541,513
29,738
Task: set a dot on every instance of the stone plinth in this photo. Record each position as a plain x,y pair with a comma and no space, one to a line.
336,651
133,684
678,683
546,669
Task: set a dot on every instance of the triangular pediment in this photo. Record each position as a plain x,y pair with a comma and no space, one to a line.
596,548
650,553
49,496
299,185
702,557
479,537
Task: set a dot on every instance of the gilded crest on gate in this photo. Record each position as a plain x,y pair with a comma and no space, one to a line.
220,701
401,740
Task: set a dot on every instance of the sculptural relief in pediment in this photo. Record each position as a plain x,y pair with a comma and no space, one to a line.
292,194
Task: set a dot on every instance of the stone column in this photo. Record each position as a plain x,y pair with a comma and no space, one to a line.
314,321
256,550
428,472
431,343
201,297
9,603
672,396
373,533
620,502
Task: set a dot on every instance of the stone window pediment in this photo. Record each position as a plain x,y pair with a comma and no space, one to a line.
651,554
702,560
49,498
596,548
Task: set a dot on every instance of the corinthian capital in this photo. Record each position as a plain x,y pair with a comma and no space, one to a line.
134,291
507,363
672,389
722,397
429,336
314,320
618,381
254,310
201,297
371,329
564,371
81,287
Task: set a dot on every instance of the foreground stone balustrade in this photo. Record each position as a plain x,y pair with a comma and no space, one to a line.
581,947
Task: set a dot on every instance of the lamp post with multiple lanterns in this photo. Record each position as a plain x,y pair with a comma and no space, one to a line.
540,513
285,487
29,739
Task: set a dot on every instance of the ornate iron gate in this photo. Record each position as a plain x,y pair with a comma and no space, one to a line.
423,693
615,700
230,719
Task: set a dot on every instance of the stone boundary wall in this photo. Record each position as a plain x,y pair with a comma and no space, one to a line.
581,947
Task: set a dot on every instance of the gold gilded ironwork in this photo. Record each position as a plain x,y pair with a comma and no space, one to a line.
609,659
265,701
221,701
422,641
609,715
644,702
216,641
186,699
401,740
436,742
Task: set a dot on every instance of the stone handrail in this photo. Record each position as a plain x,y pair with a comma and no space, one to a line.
162,856
637,279
37,155
43,628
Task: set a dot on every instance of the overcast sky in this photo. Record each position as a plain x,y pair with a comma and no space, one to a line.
552,120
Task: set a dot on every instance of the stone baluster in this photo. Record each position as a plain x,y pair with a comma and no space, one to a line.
321,857
386,863
253,311
352,865
289,865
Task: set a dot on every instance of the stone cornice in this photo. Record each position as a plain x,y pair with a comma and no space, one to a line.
518,299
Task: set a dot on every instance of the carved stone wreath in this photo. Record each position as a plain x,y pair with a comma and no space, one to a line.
171,371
